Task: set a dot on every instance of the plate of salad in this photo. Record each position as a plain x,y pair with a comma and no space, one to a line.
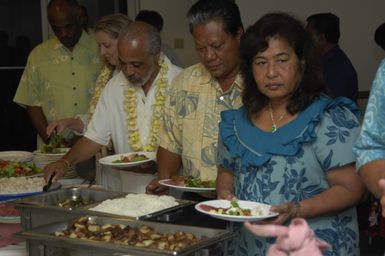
128,159
189,183
236,210
10,169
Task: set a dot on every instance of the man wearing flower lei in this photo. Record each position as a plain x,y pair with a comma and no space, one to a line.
189,134
129,109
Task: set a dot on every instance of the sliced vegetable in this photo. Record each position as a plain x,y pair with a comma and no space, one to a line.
190,181
234,209
54,145
131,158
17,169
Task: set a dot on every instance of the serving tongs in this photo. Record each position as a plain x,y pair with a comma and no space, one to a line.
49,186
89,182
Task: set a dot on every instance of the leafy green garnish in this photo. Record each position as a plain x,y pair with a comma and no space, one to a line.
54,145
16,169
198,183
234,204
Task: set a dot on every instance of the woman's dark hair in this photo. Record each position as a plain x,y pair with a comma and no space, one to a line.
255,40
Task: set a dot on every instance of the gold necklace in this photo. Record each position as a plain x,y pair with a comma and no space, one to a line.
274,126
130,104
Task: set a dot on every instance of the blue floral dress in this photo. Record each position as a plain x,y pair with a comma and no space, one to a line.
289,165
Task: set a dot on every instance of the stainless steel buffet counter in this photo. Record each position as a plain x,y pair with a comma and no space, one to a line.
44,208
47,242
40,215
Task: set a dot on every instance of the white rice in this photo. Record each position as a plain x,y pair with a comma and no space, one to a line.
261,210
135,205
18,185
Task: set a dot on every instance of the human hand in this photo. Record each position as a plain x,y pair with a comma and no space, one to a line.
155,188
296,239
226,195
59,126
381,184
286,212
58,168
266,230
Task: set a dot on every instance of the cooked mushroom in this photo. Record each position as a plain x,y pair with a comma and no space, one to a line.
144,236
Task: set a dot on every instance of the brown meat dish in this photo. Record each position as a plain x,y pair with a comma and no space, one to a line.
143,236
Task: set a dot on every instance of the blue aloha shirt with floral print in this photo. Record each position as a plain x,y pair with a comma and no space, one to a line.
370,145
289,166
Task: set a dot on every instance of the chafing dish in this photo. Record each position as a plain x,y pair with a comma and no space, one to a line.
154,215
43,208
45,239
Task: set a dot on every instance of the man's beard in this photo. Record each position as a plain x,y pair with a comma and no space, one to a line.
140,81
135,80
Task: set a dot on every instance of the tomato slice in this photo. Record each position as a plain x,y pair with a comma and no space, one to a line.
19,170
172,182
207,208
4,163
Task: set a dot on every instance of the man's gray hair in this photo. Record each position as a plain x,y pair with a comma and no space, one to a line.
140,29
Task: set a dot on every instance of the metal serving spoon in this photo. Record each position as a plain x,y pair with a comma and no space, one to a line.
48,185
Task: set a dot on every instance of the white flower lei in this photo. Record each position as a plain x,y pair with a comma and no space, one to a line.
130,105
101,82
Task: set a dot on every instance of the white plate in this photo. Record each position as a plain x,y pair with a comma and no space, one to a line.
63,151
166,183
108,160
21,156
242,204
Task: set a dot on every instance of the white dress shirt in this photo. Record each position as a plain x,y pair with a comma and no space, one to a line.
109,121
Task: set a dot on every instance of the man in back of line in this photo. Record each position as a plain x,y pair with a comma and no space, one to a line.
155,19
339,73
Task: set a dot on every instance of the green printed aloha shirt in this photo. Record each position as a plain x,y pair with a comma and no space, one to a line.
59,81
191,116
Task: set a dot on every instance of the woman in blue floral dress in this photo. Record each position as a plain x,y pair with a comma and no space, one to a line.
290,145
